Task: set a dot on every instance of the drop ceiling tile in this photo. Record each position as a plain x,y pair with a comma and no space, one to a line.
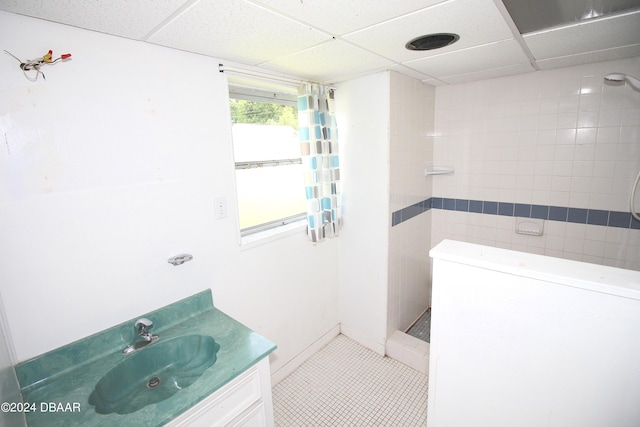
434,82
489,74
237,31
340,17
476,21
330,62
132,19
410,72
586,36
489,56
589,57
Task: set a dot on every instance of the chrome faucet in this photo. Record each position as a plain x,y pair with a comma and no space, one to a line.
143,336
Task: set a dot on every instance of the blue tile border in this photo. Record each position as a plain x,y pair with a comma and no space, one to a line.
475,206
551,213
522,210
597,217
490,208
409,212
449,204
462,205
579,216
505,209
620,219
558,213
539,212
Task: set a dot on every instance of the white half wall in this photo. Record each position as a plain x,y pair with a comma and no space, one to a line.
528,340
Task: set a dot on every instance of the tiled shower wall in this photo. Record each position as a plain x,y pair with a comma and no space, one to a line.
411,150
559,142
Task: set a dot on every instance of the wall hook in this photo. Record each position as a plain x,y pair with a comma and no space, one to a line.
180,259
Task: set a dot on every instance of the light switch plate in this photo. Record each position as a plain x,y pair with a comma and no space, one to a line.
221,207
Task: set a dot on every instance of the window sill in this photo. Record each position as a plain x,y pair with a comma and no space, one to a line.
261,237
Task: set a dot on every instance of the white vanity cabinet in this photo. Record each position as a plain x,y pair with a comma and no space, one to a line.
244,402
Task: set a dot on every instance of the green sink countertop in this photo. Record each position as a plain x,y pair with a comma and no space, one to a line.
65,377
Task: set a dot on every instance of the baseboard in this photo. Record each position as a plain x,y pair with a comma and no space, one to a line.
404,348
409,350
291,365
363,340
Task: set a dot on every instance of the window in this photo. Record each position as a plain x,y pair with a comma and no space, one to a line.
269,177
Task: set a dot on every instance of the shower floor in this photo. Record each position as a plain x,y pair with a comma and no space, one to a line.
422,328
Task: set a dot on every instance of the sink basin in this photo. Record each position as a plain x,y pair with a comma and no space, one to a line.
154,373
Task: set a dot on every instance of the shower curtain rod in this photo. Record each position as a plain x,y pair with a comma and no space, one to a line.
270,77
235,70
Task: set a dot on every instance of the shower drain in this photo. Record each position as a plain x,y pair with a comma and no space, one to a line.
153,382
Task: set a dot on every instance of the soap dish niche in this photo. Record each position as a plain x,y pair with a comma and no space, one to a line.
530,226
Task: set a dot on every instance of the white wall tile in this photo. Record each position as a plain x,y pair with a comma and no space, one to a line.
610,118
580,184
590,102
578,199
567,120
588,119
556,137
412,107
583,167
584,151
630,115
594,248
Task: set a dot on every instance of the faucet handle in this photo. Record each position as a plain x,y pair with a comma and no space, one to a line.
143,325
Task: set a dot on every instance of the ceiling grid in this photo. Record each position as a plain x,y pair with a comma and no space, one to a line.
334,40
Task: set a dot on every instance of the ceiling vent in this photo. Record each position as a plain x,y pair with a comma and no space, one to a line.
432,41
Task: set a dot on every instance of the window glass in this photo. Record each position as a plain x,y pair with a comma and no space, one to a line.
269,174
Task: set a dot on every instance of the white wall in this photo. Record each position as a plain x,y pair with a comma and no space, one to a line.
412,109
555,137
111,166
527,340
362,107
9,387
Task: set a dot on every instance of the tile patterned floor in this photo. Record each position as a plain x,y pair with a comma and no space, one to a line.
422,328
346,384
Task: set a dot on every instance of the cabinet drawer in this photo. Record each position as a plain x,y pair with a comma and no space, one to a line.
225,404
254,417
